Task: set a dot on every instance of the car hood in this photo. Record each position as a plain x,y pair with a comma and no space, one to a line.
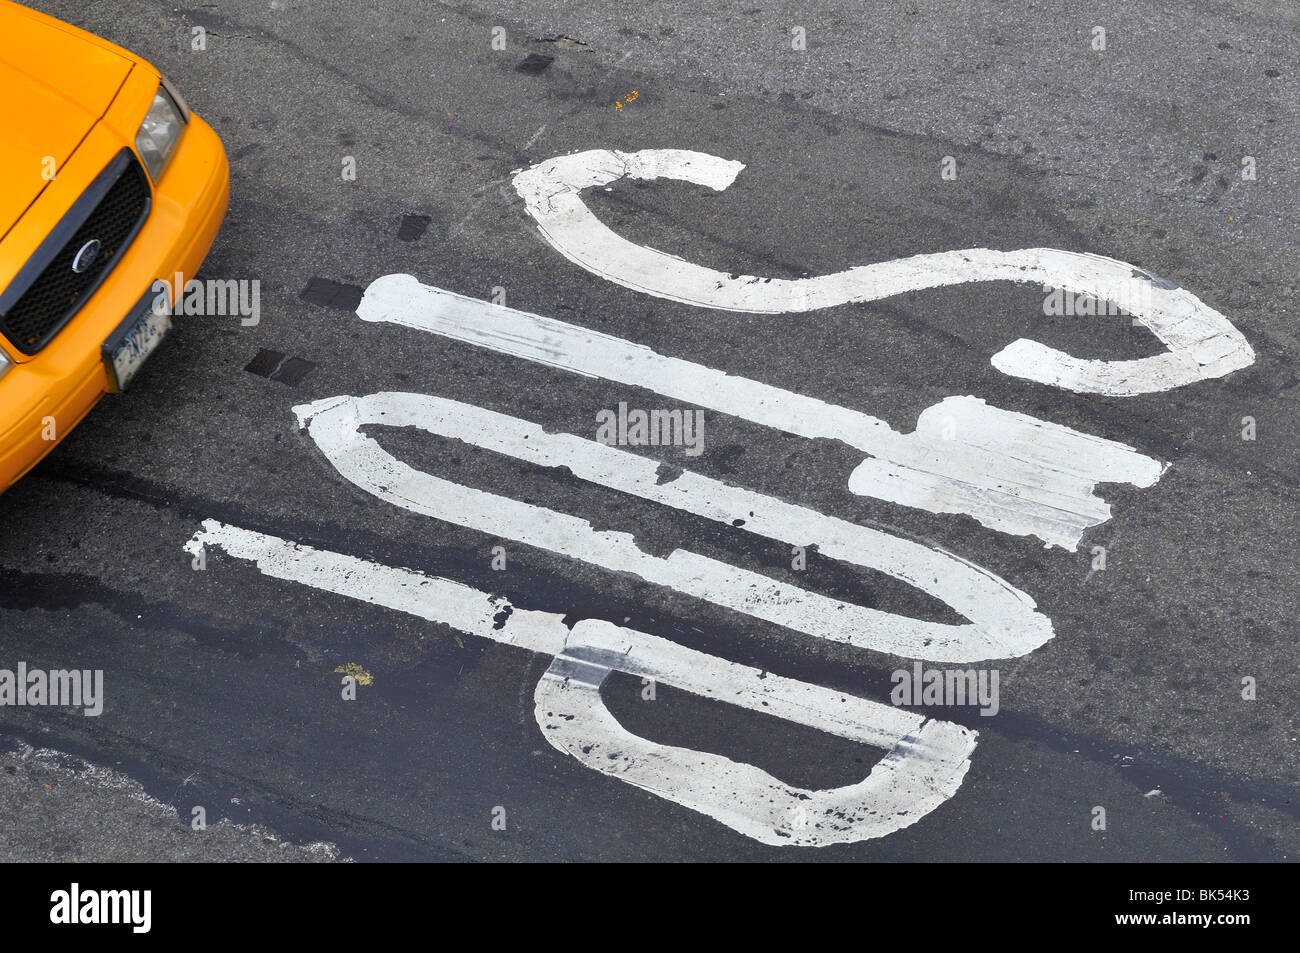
56,85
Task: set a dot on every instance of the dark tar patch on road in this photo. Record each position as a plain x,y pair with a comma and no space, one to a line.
412,227
275,366
332,294
535,63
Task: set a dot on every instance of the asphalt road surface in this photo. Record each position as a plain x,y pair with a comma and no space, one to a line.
224,685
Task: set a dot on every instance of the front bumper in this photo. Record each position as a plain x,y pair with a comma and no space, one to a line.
62,382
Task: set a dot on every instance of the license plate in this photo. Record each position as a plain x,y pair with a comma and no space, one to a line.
132,341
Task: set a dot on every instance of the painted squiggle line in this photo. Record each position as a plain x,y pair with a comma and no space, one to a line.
1201,342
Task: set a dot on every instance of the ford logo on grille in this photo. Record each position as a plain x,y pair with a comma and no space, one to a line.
86,256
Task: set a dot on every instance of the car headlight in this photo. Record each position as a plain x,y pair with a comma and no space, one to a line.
5,363
161,131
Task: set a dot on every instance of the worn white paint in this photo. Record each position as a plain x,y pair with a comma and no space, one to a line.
923,767
1003,621
1201,342
1011,472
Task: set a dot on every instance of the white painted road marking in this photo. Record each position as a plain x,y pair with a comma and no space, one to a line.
923,767
1011,472
1201,342
1003,621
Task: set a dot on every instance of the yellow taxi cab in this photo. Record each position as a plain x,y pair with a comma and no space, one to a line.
108,184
